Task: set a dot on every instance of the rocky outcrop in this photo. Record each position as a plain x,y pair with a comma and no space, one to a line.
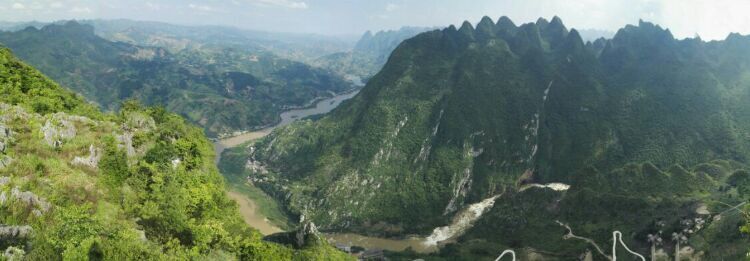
30,199
91,161
57,130
5,161
308,232
139,122
15,231
5,140
14,254
306,235
126,142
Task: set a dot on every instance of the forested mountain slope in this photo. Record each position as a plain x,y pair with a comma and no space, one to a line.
644,128
140,184
221,89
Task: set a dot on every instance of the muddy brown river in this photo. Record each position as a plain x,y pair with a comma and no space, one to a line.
255,218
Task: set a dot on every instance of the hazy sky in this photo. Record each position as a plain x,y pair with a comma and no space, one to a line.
711,19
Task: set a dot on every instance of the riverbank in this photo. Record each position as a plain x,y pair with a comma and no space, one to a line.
251,214
258,209
261,211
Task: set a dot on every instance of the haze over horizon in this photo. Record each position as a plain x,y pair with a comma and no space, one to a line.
712,20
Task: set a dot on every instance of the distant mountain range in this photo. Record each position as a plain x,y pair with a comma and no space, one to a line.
294,46
590,35
640,133
369,54
220,87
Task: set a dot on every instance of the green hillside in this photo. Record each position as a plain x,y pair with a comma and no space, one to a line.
140,184
219,88
644,128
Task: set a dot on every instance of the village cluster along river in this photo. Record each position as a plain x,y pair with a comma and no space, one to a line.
462,221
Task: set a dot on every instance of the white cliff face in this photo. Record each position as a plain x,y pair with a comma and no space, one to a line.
552,186
459,191
461,222
424,152
385,151
533,127
462,182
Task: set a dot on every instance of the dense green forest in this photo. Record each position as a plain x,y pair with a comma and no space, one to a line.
650,133
221,88
138,184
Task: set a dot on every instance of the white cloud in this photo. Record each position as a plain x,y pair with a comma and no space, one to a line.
18,6
712,20
55,5
390,7
204,8
81,10
285,3
153,7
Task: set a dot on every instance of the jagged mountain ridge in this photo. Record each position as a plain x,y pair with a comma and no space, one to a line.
369,54
461,114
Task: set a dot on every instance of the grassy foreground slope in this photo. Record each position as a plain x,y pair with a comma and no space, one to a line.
78,184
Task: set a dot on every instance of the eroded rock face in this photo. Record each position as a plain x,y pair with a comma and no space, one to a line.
91,161
15,231
9,112
57,130
4,132
5,161
308,232
126,141
5,140
30,199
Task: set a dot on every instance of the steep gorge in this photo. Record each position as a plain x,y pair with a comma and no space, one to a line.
459,115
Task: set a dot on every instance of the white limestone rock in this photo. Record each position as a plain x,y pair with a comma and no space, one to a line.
15,231
92,160
57,130
30,199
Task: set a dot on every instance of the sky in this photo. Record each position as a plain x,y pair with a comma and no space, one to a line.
710,19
